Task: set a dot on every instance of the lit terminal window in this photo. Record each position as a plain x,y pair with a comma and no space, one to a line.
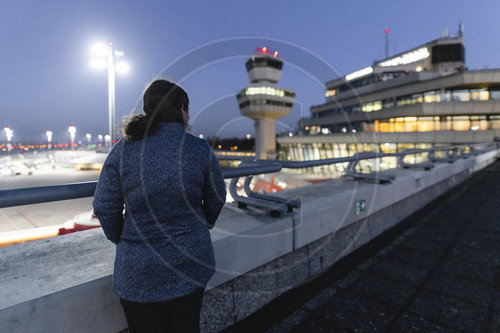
432,97
331,92
479,95
373,106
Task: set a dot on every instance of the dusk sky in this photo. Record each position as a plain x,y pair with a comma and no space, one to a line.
46,81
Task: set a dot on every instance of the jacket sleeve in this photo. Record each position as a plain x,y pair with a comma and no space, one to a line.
108,198
214,191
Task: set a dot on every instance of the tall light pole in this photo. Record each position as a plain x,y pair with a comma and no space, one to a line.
386,31
111,92
8,133
72,131
49,139
109,63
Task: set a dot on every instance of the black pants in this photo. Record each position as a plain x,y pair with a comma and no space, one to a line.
177,315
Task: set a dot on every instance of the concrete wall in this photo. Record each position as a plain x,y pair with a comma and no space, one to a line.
64,284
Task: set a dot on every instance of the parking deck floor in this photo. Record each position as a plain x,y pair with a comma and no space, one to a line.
437,271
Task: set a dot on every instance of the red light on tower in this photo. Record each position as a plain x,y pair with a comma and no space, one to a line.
386,31
263,50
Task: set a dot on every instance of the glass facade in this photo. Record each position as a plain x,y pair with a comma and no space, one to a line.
314,151
436,123
263,62
265,102
419,98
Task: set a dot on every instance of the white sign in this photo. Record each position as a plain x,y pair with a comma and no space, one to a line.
360,73
407,58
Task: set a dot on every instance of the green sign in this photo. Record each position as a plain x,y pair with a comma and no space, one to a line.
360,206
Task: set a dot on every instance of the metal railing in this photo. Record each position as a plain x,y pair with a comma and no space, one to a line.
277,205
248,169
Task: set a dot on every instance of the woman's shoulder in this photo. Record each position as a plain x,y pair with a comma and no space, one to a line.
198,142
115,152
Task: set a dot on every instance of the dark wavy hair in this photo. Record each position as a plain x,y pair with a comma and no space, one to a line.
163,102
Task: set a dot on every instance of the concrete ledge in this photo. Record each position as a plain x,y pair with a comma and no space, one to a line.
64,284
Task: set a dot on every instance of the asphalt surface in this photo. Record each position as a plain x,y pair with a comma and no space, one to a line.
437,271
44,214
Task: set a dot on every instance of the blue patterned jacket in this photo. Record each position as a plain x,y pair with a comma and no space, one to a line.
172,188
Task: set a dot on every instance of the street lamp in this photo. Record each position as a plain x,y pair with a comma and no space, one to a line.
107,139
49,139
72,131
106,59
89,136
8,133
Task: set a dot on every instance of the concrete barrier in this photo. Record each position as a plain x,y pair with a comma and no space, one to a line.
64,284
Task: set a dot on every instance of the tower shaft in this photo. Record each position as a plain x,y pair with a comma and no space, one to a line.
265,138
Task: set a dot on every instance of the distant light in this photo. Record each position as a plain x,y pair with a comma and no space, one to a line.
8,133
235,147
344,130
49,136
360,73
200,136
325,131
275,54
248,136
219,146
119,53
474,128
331,92
386,31
89,136
264,49
290,134
110,43
353,130
122,67
387,144
418,69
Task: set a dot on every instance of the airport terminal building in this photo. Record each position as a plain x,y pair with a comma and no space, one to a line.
418,98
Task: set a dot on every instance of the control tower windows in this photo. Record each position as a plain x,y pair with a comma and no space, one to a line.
270,91
263,62
265,102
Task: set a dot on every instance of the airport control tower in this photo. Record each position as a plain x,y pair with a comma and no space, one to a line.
263,101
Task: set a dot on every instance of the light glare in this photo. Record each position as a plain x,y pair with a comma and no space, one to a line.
122,67
99,49
98,63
